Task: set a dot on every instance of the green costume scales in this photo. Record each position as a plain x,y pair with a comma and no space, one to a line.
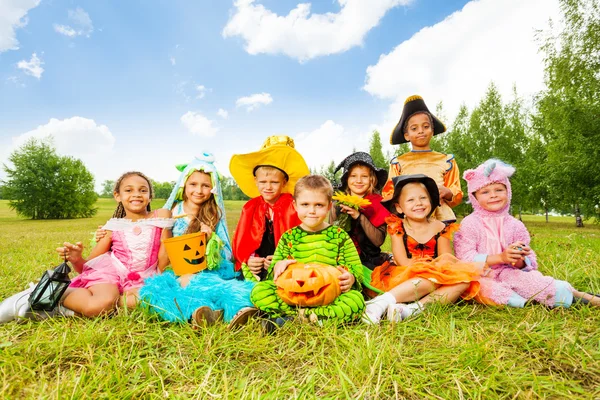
330,246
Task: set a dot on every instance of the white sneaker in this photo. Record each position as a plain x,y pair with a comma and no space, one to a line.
373,313
16,305
58,311
395,311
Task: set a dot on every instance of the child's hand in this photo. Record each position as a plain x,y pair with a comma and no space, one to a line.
346,279
206,229
267,262
71,252
350,211
515,253
445,193
100,233
281,266
255,265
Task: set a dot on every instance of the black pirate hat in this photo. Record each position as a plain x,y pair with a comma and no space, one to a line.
414,105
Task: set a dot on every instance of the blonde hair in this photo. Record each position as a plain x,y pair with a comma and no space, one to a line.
372,178
396,200
209,212
315,183
270,169
120,211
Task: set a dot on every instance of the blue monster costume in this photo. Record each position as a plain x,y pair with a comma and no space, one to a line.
215,287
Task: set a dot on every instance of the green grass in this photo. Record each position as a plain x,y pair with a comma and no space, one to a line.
461,351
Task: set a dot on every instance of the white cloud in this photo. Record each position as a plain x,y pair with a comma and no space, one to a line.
81,20
303,35
13,15
32,67
198,124
173,61
254,101
65,30
328,142
223,113
76,136
201,91
455,60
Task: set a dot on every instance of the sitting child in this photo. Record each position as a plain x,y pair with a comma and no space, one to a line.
491,235
196,202
267,177
363,179
314,241
129,252
426,271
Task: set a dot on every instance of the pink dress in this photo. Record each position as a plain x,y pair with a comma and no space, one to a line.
132,258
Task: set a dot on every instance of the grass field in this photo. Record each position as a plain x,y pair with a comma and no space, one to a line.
462,351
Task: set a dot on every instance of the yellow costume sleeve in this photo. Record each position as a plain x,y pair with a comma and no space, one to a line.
452,182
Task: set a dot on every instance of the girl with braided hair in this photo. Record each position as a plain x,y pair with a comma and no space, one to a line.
130,251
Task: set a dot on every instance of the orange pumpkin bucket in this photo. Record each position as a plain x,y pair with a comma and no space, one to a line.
187,253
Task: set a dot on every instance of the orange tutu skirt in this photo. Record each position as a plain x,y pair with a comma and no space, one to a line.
443,270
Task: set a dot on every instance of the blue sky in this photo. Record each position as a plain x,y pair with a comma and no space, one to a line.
147,85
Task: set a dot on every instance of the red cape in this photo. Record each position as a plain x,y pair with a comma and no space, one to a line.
251,226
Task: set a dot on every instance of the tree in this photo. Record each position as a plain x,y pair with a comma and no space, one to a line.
44,185
230,189
569,108
162,190
376,151
107,189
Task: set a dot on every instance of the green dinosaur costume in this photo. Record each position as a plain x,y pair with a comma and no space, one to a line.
331,246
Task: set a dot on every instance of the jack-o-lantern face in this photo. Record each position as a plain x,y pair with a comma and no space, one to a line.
309,285
187,253
196,254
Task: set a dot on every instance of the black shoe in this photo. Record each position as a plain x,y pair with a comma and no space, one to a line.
271,325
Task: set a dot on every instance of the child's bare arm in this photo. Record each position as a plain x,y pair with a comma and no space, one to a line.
399,251
74,252
444,246
163,258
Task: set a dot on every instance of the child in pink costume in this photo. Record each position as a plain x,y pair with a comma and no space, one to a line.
490,234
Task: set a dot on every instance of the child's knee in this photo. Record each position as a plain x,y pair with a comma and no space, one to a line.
98,307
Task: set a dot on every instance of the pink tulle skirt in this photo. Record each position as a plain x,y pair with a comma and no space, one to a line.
107,269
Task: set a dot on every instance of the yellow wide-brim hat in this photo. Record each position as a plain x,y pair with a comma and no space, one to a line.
278,151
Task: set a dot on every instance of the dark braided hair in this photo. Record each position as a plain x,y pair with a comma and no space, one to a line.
120,211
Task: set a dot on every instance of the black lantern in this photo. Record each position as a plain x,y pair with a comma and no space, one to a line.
50,288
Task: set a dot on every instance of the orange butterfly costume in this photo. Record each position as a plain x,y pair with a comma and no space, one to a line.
441,270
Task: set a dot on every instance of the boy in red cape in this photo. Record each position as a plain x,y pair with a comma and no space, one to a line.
267,176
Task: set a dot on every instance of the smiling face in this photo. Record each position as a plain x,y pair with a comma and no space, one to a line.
419,131
492,197
134,194
360,180
270,183
313,208
414,202
197,188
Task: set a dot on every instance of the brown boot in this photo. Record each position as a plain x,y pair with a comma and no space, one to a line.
205,316
242,317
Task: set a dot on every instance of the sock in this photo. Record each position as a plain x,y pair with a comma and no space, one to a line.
378,306
412,309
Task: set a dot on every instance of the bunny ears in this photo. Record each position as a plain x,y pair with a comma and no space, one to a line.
491,171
